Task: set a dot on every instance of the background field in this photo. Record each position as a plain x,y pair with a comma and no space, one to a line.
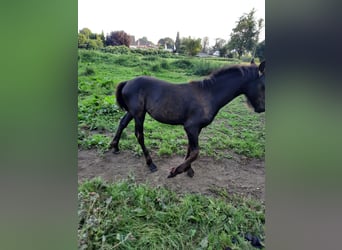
235,127
131,214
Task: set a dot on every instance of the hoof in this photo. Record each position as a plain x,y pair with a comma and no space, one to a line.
173,173
116,151
190,172
153,167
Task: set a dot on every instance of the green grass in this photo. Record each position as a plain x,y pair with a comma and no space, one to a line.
235,129
125,215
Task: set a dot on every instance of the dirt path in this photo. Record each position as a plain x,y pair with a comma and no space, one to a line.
238,175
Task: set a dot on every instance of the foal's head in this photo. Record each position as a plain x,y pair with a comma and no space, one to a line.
255,91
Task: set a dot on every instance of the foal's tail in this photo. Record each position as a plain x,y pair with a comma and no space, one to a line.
119,99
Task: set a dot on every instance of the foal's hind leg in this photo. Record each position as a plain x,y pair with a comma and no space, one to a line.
139,133
122,125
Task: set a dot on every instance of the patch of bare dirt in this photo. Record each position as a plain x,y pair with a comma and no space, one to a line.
239,175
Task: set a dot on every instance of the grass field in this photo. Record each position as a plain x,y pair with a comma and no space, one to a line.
126,215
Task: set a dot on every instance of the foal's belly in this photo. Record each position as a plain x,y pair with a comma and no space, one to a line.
167,116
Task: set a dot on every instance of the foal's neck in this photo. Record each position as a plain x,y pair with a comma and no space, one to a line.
223,91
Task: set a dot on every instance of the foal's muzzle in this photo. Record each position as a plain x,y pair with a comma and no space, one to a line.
259,110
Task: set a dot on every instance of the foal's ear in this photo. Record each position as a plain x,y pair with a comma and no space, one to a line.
262,67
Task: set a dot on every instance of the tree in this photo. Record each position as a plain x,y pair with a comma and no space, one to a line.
245,35
89,40
177,43
205,44
92,44
224,50
144,41
219,44
103,38
166,41
192,46
86,32
260,51
132,39
93,36
82,40
117,38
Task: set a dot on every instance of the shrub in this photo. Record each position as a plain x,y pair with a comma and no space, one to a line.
182,64
98,141
88,56
128,60
155,68
89,71
203,67
117,49
164,64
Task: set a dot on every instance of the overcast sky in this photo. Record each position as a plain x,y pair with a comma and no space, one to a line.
157,19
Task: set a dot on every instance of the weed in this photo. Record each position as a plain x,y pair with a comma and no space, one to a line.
182,64
164,64
98,141
89,71
155,68
204,67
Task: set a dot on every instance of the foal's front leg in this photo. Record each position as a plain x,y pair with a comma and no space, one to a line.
193,151
190,172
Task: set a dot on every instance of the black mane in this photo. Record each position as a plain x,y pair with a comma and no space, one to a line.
227,70
248,72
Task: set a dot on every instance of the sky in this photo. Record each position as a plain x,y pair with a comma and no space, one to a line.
156,19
